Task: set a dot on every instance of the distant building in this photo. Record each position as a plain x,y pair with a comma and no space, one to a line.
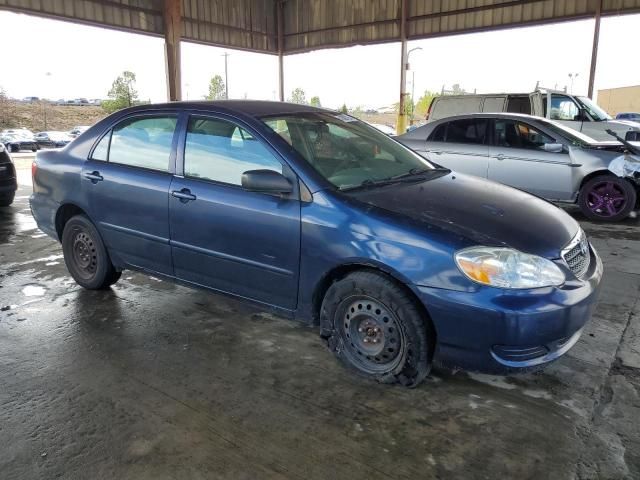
617,100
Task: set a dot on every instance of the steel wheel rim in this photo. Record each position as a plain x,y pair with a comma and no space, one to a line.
84,253
606,199
371,334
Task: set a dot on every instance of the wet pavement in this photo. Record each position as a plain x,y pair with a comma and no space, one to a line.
152,380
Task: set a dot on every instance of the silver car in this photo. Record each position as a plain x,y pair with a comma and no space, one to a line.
534,154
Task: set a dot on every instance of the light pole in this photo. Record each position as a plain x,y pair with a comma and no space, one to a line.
44,101
226,78
413,84
572,77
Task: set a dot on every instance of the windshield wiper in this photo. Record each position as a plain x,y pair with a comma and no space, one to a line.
416,174
417,171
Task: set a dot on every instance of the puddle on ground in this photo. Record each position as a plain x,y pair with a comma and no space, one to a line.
33,291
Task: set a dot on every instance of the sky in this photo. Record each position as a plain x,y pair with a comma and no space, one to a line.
72,61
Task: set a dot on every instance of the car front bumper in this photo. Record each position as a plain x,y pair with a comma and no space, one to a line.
494,330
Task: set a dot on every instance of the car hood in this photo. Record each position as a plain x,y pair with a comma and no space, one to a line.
481,211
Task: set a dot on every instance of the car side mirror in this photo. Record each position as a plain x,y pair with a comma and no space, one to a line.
632,136
553,147
266,181
581,116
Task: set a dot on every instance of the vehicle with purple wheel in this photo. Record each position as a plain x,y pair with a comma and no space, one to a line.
313,214
536,155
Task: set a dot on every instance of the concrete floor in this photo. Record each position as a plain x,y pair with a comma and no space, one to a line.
151,380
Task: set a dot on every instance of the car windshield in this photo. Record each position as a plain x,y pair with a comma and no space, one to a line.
347,152
593,109
576,138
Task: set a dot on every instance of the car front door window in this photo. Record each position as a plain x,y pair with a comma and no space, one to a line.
221,151
512,134
563,108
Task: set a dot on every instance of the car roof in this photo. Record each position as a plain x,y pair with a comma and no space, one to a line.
253,108
522,116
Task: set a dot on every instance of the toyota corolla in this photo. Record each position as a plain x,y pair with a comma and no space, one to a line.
322,218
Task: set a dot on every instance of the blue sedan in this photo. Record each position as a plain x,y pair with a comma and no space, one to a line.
322,218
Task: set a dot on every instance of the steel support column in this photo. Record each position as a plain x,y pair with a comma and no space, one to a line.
280,28
172,32
401,124
594,51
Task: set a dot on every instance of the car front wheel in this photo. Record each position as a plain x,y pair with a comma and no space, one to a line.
607,198
86,256
378,329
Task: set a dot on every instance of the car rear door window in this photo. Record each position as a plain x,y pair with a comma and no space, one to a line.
510,133
143,142
468,130
221,151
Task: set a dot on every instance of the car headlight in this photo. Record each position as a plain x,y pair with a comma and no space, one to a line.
508,268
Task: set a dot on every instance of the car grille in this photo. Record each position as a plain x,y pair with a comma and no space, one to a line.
577,254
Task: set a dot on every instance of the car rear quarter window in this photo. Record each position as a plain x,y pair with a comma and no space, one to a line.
142,142
101,150
222,151
468,130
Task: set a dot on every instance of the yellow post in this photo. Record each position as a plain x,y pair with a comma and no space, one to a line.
401,124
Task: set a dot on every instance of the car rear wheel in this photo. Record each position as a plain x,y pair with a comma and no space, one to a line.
14,148
85,255
607,198
6,199
378,329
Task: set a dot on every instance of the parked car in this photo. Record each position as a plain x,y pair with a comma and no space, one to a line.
576,112
15,142
52,139
386,129
537,155
633,116
320,217
75,131
8,181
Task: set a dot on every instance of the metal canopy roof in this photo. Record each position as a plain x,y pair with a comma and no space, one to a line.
314,24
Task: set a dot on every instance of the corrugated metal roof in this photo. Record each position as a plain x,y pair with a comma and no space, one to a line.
314,24
144,16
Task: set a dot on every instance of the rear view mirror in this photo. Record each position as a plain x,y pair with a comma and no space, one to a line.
266,181
632,136
553,147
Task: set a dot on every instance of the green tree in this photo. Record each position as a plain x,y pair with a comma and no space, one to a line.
315,101
344,109
217,89
123,93
298,96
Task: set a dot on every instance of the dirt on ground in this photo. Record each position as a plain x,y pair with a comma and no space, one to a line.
32,116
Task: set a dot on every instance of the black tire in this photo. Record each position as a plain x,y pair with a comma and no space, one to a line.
14,148
35,149
85,255
378,329
593,209
6,199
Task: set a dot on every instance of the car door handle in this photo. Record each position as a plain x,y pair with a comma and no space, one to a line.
95,177
184,195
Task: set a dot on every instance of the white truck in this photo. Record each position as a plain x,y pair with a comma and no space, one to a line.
577,112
